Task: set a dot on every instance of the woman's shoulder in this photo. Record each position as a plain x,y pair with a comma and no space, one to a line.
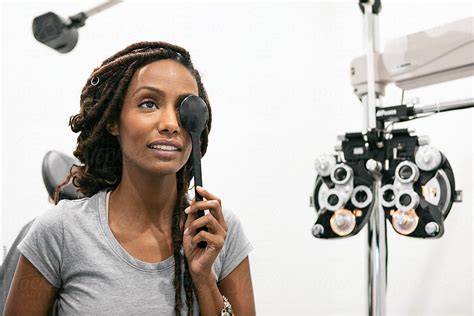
45,241
230,216
69,210
232,220
236,245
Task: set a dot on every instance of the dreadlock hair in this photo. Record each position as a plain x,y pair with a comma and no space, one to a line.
100,154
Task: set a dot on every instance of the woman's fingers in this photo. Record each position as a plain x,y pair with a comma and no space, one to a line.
212,203
213,240
209,221
202,205
208,195
214,221
213,206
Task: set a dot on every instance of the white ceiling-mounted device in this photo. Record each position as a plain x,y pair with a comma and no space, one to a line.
420,59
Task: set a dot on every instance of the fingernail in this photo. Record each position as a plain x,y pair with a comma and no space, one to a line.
187,209
200,188
186,231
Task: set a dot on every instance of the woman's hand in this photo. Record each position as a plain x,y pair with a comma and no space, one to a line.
200,260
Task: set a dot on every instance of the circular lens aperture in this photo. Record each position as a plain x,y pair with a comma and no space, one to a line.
405,222
342,222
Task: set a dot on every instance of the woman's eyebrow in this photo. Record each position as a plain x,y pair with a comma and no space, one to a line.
152,89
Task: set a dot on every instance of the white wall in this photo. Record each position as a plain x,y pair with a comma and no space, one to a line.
278,79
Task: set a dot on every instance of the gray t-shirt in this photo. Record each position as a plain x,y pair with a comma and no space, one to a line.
72,246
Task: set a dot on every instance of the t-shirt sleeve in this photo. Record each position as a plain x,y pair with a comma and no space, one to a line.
43,244
236,246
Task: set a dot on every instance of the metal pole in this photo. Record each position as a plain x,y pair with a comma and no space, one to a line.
444,106
101,7
377,252
369,30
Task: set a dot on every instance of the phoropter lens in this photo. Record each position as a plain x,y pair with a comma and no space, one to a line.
405,222
388,195
340,174
405,172
333,199
405,199
361,196
342,222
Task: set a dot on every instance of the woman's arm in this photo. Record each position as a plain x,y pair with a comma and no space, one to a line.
237,287
30,293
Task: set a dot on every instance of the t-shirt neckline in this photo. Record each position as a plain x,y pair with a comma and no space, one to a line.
102,208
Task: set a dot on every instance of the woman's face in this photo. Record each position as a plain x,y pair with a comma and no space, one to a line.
149,132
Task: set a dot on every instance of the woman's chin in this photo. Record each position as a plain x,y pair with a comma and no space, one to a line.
165,169
156,167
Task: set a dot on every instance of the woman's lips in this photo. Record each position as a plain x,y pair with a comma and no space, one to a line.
165,149
166,142
163,152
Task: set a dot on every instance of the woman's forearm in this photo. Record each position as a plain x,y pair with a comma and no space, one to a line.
209,297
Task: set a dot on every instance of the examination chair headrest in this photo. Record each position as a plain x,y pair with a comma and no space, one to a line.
55,169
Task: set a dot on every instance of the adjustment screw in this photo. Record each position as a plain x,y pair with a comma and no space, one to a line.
432,229
373,165
317,230
423,140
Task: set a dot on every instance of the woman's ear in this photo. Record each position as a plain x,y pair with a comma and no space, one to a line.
112,128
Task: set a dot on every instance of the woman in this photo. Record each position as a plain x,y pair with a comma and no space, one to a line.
130,246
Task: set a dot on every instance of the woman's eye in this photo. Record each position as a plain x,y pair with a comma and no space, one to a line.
149,104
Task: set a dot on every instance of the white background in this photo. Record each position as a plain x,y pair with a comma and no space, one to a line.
278,79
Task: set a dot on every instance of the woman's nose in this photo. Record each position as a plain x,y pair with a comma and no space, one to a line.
169,121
